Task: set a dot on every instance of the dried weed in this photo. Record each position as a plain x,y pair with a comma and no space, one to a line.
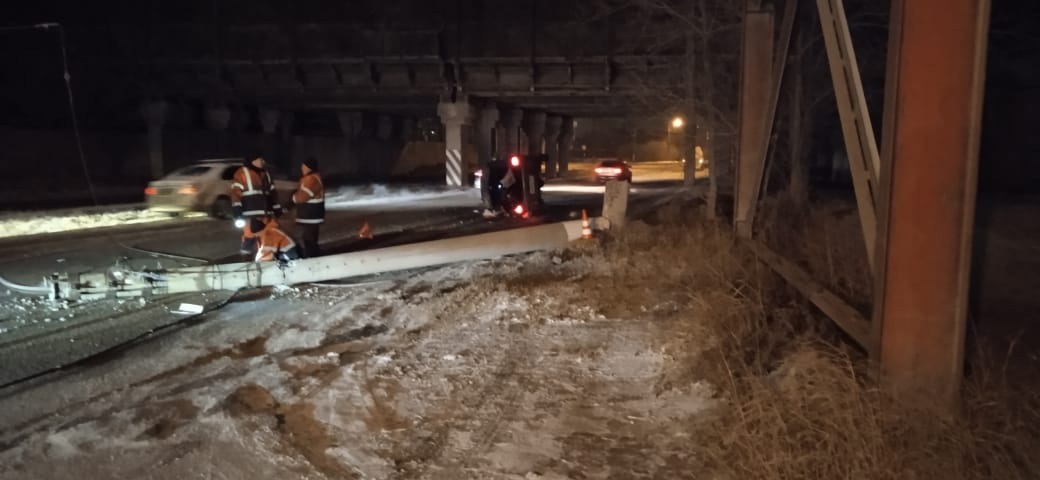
797,404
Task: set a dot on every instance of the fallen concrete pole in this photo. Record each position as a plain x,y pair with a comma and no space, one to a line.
237,276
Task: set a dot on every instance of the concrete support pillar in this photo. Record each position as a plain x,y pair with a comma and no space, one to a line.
384,127
217,118
350,123
455,116
285,140
933,120
486,133
565,143
534,127
409,128
238,119
154,113
268,120
553,123
510,119
756,78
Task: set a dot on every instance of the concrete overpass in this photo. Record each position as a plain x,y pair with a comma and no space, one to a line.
511,74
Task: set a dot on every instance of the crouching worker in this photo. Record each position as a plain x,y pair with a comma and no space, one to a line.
272,243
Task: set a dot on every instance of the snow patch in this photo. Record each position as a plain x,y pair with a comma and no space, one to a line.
379,194
294,339
30,223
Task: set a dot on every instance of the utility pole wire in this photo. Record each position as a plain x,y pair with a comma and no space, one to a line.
67,77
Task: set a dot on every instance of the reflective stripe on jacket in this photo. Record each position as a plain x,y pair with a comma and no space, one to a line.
274,241
254,191
310,199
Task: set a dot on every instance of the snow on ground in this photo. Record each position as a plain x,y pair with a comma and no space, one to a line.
381,195
31,223
519,368
14,224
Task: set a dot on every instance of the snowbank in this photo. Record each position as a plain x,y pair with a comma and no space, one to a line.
378,195
513,368
31,223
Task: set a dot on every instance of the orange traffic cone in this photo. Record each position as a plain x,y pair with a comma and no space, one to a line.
586,228
365,232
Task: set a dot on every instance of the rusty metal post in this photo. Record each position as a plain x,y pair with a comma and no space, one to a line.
755,79
927,199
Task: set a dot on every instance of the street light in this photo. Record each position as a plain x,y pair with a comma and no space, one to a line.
677,124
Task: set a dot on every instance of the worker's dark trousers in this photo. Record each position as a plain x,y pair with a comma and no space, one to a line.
309,239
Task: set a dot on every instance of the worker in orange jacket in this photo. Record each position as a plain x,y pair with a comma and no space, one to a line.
253,196
272,243
309,201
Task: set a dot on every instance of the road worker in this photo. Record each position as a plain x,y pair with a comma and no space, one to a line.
309,201
272,243
253,196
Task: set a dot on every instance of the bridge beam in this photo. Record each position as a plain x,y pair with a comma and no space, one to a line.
928,181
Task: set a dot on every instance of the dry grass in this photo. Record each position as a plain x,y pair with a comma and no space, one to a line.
796,404
828,241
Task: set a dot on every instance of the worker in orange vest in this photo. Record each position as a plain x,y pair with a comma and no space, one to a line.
272,243
253,196
309,201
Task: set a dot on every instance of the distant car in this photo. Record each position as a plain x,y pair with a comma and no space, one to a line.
613,170
203,187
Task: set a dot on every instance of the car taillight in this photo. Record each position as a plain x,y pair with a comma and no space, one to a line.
151,191
515,161
188,190
519,209
608,171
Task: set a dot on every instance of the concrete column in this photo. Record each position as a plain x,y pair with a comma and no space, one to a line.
285,140
510,119
553,123
534,127
455,116
154,113
486,131
268,120
409,125
238,119
565,144
217,118
350,123
384,127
